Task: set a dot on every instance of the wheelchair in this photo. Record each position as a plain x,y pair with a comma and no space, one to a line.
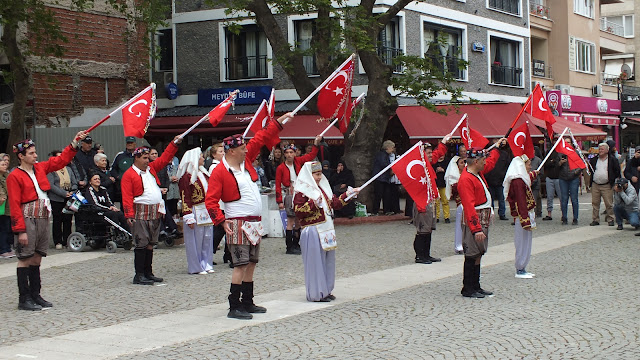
94,229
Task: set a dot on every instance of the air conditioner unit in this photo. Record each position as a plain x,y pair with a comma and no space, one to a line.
597,90
167,77
565,89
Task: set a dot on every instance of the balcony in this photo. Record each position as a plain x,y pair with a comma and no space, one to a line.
246,67
611,28
506,75
609,79
508,6
539,10
387,54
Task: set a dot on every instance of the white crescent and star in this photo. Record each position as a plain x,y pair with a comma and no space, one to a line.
411,165
464,133
515,139
338,90
141,101
564,145
540,104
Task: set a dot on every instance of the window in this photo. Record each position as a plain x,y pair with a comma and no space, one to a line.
246,53
164,41
585,56
618,25
443,45
505,60
583,7
509,6
304,31
389,46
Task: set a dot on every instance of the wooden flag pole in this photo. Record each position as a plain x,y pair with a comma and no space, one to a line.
553,148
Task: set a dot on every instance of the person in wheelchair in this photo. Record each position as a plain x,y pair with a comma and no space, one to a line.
99,197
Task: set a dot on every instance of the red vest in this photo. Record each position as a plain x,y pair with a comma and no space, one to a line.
472,192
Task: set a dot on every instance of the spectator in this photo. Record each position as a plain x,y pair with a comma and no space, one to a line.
625,203
262,179
440,168
6,235
340,181
535,183
382,185
606,170
326,169
121,163
217,153
106,180
208,158
79,173
552,172
462,152
495,178
631,169
275,159
63,184
394,188
85,156
168,224
99,196
569,183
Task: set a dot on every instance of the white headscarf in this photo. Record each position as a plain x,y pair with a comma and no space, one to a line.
517,170
452,175
190,164
306,184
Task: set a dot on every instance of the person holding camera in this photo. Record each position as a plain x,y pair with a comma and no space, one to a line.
625,203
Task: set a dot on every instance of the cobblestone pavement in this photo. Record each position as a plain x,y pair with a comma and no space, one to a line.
571,301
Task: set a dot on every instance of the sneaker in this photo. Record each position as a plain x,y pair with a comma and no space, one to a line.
447,221
619,227
7,255
547,218
458,252
522,274
475,295
211,271
611,223
58,246
594,223
202,273
574,222
565,222
239,314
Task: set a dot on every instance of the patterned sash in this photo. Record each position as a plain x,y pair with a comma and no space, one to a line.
147,212
36,209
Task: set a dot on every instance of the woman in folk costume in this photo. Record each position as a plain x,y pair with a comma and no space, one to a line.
313,203
517,190
198,235
451,176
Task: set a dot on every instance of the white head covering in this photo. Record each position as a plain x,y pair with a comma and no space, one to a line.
516,170
190,164
306,184
452,175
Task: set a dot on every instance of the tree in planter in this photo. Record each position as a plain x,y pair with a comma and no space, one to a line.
331,43
33,41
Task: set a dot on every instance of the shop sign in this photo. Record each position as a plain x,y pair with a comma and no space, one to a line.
246,96
584,104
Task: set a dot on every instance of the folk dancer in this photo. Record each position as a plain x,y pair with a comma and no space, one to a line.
452,175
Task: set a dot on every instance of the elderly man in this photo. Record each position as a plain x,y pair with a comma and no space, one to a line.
121,163
606,170
85,156
625,203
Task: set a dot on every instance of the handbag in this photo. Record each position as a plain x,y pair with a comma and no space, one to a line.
3,206
202,215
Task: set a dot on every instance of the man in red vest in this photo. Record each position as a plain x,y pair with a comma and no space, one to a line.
30,207
143,207
234,182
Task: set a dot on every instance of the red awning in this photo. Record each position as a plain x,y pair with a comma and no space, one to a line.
601,120
572,117
633,120
580,132
229,125
305,128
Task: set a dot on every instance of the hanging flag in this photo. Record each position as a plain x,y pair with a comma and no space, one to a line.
520,141
137,114
216,115
575,161
471,138
412,173
537,107
346,119
334,98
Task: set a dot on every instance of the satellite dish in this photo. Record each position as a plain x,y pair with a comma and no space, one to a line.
627,70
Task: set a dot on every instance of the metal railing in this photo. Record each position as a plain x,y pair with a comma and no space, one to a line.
246,67
510,6
609,79
611,28
539,10
387,54
506,75
548,72
446,64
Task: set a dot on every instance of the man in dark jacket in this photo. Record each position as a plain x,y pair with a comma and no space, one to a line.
631,170
606,169
84,157
495,179
121,163
382,185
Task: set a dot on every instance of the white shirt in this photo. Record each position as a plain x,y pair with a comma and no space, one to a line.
601,172
250,202
292,174
151,194
487,194
41,194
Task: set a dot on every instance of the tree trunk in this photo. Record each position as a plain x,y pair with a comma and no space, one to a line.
379,107
21,75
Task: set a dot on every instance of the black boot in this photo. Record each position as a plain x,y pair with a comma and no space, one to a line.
476,276
247,299
468,279
418,247
35,286
25,302
236,311
288,240
148,269
139,256
427,252
296,241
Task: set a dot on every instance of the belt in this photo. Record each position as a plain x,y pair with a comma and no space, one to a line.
247,218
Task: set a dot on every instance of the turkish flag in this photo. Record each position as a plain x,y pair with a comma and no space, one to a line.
137,114
271,113
334,98
218,112
537,106
260,118
411,170
344,123
471,138
520,141
575,161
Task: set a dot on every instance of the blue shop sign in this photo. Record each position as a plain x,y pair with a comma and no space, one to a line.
172,91
247,95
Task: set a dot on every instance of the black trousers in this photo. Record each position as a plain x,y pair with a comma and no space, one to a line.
61,227
381,191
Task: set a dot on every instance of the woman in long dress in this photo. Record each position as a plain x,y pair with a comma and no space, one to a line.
198,234
314,203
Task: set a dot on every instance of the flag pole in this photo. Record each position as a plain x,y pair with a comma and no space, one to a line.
329,127
152,85
325,82
458,124
552,148
518,117
419,143
579,151
246,131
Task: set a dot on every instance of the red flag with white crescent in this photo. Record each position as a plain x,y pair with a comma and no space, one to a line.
575,161
260,118
537,106
520,141
216,115
137,114
412,173
334,98
471,138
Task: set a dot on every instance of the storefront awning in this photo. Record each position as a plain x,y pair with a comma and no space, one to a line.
174,125
572,117
600,120
305,128
580,132
635,121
